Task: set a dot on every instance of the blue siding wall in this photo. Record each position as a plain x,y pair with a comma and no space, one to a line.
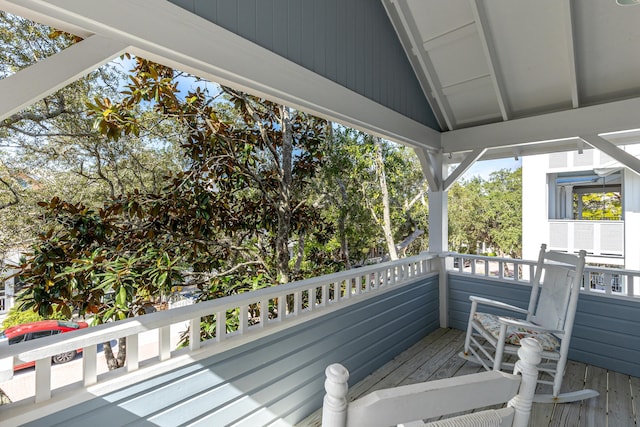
606,331
279,376
351,42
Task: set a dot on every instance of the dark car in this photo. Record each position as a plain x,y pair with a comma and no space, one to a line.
35,330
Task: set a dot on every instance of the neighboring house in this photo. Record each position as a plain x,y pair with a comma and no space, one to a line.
555,186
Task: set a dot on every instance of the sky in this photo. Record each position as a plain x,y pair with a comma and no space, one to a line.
484,168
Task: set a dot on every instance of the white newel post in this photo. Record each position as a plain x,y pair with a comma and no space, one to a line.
334,408
530,355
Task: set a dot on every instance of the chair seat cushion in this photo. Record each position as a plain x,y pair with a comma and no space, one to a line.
491,324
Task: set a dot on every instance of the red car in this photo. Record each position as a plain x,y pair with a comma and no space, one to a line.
35,330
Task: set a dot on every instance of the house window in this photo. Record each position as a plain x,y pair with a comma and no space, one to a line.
594,195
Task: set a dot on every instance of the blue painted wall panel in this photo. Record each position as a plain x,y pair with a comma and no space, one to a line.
351,42
279,376
606,331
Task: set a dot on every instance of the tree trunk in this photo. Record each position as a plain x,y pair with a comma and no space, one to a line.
386,213
342,220
114,362
300,257
284,199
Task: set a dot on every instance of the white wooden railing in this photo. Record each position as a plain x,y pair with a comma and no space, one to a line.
244,318
605,281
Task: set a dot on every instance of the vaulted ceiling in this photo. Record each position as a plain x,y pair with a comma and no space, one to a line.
495,62
472,79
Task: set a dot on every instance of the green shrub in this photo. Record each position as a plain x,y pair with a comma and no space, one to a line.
18,316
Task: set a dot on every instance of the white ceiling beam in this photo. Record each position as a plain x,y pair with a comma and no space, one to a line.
401,18
55,72
613,151
191,44
571,55
468,161
490,55
596,119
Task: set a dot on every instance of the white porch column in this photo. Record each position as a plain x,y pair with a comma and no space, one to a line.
438,221
631,216
568,201
439,231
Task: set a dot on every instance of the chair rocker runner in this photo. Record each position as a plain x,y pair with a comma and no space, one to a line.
549,319
410,404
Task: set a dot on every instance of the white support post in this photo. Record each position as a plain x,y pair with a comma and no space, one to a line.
443,289
530,355
133,350
438,222
164,342
334,407
43,379
631,215
90,365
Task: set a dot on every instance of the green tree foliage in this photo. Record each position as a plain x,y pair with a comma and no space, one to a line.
488,212
223,223
600,205
353,197
51,148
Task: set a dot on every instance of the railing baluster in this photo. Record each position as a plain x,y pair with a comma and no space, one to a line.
43,379
90,365
312,298
164,342
132,353
194,334
243,319
281,307
221,325
297,303
264,312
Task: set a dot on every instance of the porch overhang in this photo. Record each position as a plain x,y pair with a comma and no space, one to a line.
183,34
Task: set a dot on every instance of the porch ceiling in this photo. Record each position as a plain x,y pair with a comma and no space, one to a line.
504,78
506,74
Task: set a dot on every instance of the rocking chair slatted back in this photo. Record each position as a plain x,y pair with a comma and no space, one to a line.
555,289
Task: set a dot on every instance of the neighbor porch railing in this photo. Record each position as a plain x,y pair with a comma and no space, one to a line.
605,281
238,319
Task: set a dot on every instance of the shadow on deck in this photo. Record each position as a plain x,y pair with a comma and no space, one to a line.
435,357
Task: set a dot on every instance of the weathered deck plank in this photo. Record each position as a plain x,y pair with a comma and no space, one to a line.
619,404
635,396
435,357
595,412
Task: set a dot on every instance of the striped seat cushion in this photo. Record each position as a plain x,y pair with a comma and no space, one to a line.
491,324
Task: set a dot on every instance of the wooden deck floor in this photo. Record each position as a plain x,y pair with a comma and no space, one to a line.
435,357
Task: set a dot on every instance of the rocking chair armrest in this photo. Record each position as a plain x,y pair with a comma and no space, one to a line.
528,325
498,304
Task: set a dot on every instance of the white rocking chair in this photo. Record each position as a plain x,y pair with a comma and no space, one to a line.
549,319
408,405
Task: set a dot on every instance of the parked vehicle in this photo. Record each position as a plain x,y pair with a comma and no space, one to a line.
34,330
